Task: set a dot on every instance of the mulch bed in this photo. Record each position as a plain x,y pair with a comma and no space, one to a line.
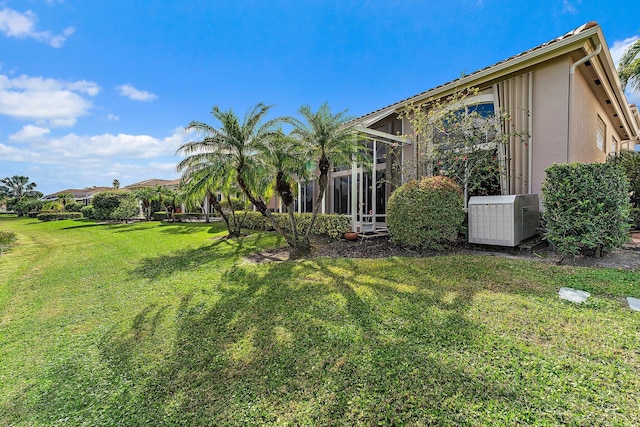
627,258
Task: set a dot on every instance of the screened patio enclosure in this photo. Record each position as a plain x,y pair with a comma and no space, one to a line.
362,192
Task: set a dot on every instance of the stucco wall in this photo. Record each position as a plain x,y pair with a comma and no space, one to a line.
550,114
586,110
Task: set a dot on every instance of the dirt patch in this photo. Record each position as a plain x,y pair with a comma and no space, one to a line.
627,258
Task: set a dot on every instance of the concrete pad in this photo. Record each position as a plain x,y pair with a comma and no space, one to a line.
573,295
634,303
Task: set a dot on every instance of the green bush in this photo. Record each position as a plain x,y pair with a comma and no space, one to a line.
160,215
127,209
187,216
7,238
629,161
634,214
106,202
73,207
56,216
586,208
88,212
331,225
426,214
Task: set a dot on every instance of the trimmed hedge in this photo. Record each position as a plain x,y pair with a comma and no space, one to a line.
106,202
160,215
331,225
186,216
56,216
426,214
586,208
88,212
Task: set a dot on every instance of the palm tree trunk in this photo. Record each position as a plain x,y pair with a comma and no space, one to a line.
323,180
261,207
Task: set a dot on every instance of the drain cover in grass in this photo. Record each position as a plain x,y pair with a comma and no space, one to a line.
573,295
634,303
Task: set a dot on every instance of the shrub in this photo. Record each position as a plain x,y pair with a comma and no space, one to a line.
73,207
56,216
127,209
187,216
586,207
160,215
629,161
635,218
426,214
88,212
104,203
331,225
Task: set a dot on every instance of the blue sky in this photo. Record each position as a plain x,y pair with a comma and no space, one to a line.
92,91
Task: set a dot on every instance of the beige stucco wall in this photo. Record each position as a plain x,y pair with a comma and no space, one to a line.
550,113
586,109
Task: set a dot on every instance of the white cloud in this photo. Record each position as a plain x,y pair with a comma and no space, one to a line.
23,25
28,133
620,47
113,117
104,146
95,159
569,6
137,95
36,98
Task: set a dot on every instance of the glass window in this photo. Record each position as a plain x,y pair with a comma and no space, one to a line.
342,195
601,134
614,145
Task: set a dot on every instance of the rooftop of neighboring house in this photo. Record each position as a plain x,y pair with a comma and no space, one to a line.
566,43
154,182
77,193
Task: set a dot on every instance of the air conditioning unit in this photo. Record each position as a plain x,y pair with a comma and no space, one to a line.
503,220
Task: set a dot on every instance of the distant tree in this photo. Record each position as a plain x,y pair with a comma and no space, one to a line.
146,195
106,202
127,209
15,189
116,184
65,199
629,67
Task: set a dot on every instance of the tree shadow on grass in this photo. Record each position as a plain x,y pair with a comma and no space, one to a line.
304,343
314,342
222,250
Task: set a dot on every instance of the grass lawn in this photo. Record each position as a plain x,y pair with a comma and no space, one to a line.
158,324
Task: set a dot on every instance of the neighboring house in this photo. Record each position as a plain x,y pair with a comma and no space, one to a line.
154,182
564,95
84,196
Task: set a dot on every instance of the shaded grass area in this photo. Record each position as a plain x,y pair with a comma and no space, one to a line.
151,324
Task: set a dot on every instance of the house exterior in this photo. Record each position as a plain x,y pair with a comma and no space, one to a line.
563,95
84,196
153,183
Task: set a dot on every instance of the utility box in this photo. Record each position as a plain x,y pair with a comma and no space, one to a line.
503,220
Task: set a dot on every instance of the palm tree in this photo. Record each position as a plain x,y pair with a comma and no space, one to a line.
17,187
146,195
285,157
235,146
331,140
65,198
629,68
116,184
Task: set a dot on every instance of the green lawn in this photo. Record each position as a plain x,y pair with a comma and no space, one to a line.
161,324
